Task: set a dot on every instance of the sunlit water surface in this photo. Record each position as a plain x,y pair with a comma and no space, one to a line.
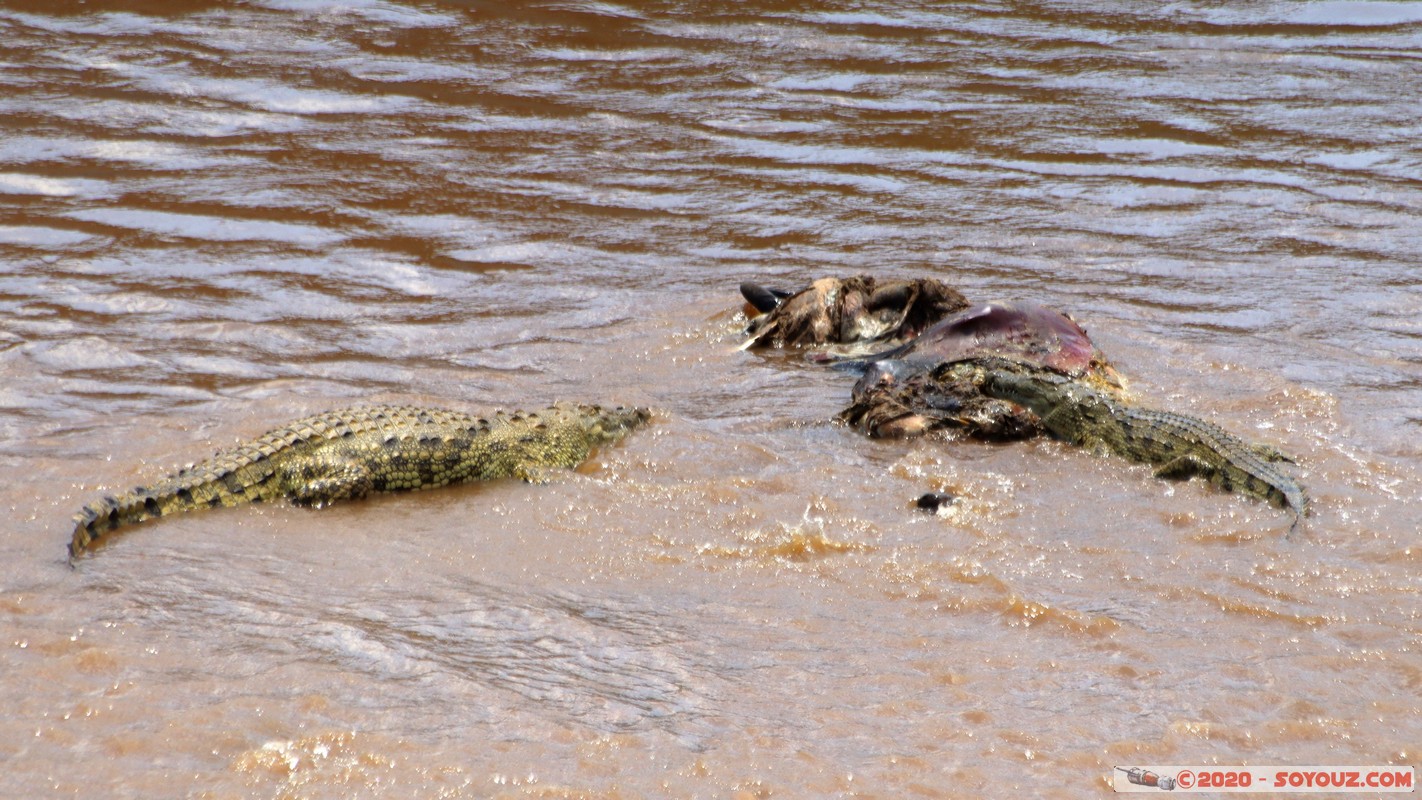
218,217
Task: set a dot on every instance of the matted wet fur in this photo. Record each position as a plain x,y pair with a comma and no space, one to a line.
856,310
887,404
931,382
928,381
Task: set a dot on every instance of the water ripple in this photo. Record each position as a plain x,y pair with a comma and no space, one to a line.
211,228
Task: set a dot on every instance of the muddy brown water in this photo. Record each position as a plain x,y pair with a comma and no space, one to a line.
215,218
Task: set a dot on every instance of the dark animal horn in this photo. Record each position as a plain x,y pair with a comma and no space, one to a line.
763,299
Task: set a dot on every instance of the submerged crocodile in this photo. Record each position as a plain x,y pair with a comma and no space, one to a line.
349,453
1180,445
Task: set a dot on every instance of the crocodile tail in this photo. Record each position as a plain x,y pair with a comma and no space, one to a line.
207,485
1297,498
95,520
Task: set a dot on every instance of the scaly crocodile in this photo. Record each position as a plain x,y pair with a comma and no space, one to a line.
1182,446
348,453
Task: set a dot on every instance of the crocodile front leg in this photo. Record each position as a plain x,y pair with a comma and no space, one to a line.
347,481
1272,454
1183,468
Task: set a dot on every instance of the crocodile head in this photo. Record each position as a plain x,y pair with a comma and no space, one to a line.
610,424
1068,408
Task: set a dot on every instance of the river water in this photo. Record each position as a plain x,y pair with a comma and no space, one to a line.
218,217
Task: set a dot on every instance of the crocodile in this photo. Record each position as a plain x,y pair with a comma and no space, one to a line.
348,453
929,383
1181,446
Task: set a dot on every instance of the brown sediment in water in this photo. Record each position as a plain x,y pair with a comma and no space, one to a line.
219,216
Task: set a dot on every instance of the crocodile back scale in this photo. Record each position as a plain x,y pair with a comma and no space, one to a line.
1180,446
348,453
